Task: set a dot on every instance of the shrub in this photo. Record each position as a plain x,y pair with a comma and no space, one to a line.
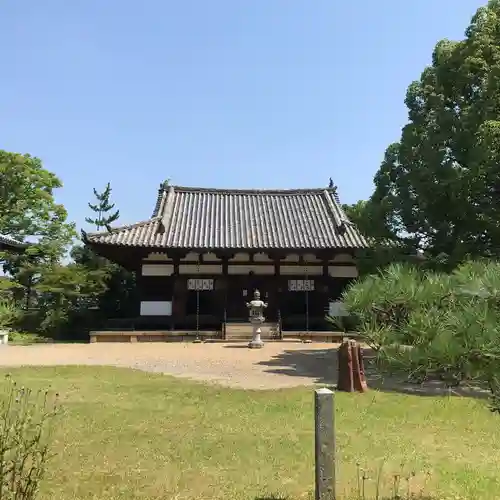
430,325
26,424
16,337
8,314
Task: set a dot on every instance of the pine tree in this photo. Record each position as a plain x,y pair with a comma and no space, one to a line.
102,208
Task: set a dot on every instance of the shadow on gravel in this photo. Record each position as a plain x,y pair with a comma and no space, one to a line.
321,366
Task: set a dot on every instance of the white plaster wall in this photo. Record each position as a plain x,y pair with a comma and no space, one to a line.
157,269
245,269
156,308
343,271
202,268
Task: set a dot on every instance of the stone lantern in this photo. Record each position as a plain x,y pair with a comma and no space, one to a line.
256,308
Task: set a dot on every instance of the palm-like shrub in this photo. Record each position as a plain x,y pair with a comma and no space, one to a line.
429,325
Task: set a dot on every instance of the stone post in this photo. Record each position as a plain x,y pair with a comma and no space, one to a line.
256,340
324,438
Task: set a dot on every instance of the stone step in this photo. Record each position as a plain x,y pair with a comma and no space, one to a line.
243,331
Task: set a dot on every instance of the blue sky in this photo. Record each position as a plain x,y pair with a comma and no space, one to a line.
219,93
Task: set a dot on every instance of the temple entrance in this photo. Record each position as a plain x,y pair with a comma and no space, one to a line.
206,302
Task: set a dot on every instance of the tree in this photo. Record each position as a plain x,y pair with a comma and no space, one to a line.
118,294
28,211
438,187
28,208
64,295
102,209
385,247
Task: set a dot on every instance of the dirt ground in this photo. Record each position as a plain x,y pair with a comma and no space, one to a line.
277,365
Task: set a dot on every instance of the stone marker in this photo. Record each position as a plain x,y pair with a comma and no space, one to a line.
351,370
324,441
256,307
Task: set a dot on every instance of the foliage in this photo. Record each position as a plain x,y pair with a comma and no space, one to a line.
104,217
385,246
8,313
430,325
28,208
26,425
58,300
64,290
117,297
438,186
25,338
28,211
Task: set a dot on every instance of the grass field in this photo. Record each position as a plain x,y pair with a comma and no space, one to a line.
131,435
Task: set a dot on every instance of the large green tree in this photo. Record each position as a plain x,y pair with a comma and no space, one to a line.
29,212
28,208
439,186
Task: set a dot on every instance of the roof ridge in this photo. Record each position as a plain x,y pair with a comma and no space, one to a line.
264,191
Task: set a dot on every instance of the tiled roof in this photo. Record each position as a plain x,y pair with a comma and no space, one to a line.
200,218
7,241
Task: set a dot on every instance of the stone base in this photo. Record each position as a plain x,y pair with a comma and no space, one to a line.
256,344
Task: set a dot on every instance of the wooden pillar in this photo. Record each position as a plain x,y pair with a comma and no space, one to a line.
225,278
139,286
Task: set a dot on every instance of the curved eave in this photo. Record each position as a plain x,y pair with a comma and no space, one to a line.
8,243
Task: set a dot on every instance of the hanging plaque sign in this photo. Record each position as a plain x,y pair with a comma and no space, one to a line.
200,284
300,285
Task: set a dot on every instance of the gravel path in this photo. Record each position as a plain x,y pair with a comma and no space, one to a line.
277,365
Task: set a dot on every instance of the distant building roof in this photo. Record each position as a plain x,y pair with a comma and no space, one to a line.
201,218
8,242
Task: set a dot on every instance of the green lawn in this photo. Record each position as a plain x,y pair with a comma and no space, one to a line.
132,435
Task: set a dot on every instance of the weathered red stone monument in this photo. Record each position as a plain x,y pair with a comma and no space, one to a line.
351,369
